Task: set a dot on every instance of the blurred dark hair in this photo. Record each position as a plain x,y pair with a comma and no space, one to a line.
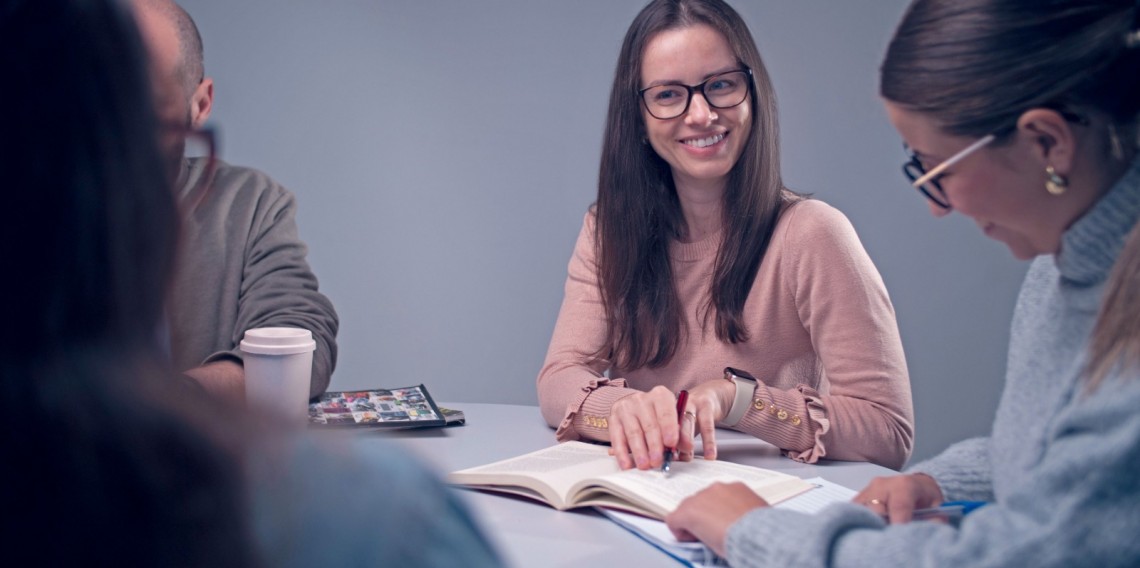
638,211
103,451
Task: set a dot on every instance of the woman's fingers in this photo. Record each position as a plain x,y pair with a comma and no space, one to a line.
639,427
707,428
705,409
707,400
635,433
618,445
687,444
895,498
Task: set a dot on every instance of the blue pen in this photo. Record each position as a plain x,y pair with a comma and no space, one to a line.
951,510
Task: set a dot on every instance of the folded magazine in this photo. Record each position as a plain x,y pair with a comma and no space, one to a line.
406,407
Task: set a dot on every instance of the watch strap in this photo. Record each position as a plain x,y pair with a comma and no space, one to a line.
745,389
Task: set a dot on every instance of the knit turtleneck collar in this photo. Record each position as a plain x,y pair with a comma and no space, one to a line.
1090,246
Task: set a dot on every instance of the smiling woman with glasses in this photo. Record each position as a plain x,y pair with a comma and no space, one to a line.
695,258
1029,112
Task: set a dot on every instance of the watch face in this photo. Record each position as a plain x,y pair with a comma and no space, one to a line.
729,372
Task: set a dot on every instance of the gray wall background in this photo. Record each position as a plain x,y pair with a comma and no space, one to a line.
443,154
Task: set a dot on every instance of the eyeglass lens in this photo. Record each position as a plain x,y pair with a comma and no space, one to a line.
931,189
720,91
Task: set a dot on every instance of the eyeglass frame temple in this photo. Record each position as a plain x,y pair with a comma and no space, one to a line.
961,155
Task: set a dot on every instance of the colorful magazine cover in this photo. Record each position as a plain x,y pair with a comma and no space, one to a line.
406,407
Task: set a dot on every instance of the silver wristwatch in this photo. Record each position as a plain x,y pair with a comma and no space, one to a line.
745,388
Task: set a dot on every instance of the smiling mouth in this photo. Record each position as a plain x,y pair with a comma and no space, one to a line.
704,142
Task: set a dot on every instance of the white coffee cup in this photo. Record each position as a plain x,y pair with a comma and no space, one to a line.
278,366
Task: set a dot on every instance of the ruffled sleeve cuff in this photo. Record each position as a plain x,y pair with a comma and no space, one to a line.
793,420
587,416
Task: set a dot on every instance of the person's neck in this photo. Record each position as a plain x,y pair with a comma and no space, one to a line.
1091,181
701,204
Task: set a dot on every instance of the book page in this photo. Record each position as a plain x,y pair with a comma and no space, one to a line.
575,474
557,468
823,494
661,493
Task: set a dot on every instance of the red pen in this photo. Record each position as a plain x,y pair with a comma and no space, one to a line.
682,398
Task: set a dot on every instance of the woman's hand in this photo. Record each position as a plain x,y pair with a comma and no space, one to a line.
710,402
897,497
644,425
707,515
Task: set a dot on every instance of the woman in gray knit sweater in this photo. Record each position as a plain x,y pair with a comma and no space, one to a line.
1022,115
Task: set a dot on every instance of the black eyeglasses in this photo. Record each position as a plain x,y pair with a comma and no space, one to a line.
724,90
927,182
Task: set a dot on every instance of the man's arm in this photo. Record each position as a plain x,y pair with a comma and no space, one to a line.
279,289
222,379
243,266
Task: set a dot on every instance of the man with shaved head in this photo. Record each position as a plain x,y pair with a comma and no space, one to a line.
241,264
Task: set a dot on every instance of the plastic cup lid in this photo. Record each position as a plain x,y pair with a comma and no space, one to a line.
278,341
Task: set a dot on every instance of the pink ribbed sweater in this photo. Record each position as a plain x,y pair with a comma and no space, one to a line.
823,343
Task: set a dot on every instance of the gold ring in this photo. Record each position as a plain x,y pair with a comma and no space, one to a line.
691,414
875,502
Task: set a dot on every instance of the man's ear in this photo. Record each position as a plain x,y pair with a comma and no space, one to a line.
202,102
1051,137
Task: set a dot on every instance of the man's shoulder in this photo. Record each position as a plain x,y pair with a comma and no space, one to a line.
241,187
244,178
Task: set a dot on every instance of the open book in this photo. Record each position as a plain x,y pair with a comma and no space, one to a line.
575,474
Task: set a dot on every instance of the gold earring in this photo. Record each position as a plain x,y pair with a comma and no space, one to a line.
1056,184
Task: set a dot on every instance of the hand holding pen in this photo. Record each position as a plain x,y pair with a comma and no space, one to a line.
898,498
952,511
643,428
682,399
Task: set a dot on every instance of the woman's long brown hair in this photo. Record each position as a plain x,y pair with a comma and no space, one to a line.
1115,344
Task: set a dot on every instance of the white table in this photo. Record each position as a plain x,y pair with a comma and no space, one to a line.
531,534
